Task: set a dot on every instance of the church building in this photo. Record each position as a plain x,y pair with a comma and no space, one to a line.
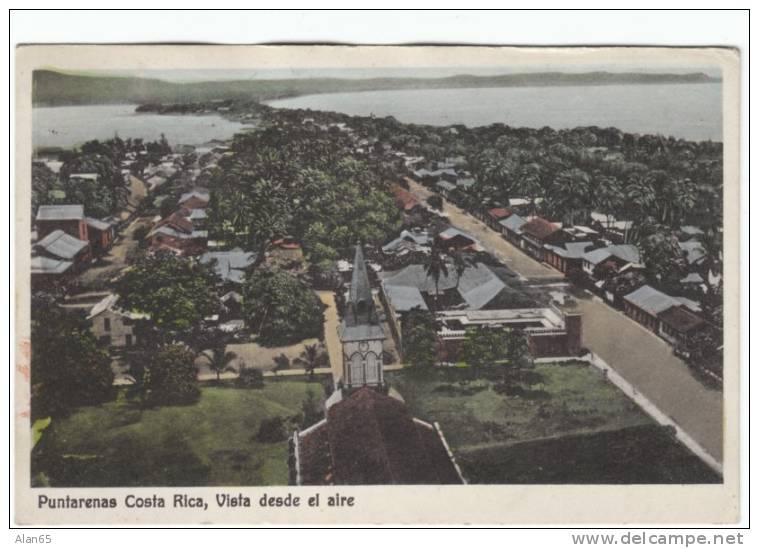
361,333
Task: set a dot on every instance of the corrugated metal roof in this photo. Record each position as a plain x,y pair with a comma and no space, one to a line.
230,265
60,212
405,298
62,245
361,332
98,224
571,250
514,223
46,265
651,300
694,251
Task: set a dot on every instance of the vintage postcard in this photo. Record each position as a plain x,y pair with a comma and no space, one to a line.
405,285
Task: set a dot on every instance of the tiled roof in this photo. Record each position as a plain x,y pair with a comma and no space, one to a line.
203,195
60,212
539,228
62,245
499,213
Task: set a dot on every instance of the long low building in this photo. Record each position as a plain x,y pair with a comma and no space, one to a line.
550,331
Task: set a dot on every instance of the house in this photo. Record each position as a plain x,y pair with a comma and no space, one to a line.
101,234
524,206
511,228
598,263
568,257
495,215
689,232
230,266
68,218
84,177
370,438
405,200
409,241
62,246
538,232
196,199
478,287
678,323
453,238
50,272
694,252
113,325
647,306
445,188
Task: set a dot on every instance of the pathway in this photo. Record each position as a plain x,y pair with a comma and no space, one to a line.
331,337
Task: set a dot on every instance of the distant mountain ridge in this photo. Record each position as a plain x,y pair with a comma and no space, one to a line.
51,88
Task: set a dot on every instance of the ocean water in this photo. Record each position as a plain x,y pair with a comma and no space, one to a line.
689,111
72,125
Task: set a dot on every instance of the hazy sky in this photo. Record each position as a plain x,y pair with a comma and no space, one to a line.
184,75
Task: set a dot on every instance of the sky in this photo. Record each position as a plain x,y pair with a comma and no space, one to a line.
185,75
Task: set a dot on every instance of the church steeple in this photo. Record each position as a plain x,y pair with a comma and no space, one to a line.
360,305
360,332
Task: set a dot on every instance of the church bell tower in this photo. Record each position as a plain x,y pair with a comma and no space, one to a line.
361,333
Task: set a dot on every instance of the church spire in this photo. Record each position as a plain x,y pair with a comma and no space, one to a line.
360,305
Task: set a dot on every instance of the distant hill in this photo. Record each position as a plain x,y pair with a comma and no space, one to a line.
51,88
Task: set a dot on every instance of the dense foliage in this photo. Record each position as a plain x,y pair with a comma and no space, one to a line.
69,368
176,292
281,308
300,182
171,377
419,339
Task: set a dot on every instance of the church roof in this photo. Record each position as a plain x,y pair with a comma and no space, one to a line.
360,288
369,438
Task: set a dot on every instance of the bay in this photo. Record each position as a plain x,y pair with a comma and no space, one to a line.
73,125
688,111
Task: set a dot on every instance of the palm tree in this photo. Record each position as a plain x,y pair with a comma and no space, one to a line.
570,192
436,267
460,263
218,360
309,359
608,197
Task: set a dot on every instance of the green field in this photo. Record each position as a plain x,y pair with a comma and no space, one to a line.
573,426
212,442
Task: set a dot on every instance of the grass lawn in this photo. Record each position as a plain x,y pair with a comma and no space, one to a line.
212,442
572,426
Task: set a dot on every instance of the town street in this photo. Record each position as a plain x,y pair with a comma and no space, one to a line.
506,253
640,357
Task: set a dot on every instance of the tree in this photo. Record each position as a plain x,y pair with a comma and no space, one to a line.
419,336
249,377
69,368
310,410
281,308
483,347
172,378
517,349
272,430
436,267
664,258
175,292
310,359
570,192
436,201
218,359
281,363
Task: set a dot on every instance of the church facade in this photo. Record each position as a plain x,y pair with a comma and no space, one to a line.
361,333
